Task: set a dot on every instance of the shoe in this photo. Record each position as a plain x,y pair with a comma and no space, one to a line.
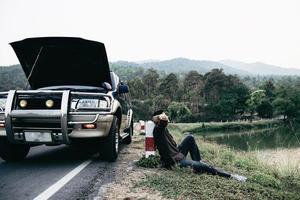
239,177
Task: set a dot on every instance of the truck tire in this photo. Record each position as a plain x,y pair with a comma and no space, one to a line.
109,149
12,152
128,139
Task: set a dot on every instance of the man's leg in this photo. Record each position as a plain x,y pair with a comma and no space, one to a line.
202,167
189,145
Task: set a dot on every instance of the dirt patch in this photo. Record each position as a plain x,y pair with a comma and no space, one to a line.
128,174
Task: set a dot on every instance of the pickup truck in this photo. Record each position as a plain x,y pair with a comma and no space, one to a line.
72,97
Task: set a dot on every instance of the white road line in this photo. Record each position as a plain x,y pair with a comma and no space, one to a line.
60,183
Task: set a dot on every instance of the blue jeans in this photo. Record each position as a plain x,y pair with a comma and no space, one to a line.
189,145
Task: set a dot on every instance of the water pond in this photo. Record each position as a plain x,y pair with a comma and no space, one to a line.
256,139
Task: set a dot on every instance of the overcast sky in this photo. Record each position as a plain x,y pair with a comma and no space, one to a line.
133,30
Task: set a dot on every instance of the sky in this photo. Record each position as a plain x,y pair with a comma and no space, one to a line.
134,30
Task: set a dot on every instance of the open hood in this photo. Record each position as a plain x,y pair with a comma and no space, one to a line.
53,61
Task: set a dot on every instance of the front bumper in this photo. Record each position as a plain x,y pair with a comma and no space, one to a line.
103,126
63,124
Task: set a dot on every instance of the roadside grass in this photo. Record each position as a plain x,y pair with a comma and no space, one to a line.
264,181
284,162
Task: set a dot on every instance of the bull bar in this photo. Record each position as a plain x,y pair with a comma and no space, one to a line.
63,114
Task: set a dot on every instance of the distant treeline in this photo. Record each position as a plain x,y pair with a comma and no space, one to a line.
193,97
12,77
214,96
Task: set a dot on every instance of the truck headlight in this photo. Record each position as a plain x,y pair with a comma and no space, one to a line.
49,103
103,104
23,103
91,103
2,104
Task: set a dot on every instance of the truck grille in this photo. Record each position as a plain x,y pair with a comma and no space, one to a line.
37,102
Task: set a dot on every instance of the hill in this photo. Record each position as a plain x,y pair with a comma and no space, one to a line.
184,65
259,68
178,65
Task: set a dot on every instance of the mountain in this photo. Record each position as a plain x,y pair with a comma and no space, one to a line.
259,68
203,66
184,65
147,61
179,65
125,63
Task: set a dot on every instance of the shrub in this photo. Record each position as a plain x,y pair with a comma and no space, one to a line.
150,162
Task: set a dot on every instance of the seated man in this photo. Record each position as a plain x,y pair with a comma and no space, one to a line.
171,154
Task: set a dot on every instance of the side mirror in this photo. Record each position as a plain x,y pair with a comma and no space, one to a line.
123,89
106,86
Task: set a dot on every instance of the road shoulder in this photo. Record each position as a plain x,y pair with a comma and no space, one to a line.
128,174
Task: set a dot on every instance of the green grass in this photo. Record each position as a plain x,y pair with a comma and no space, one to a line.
264,181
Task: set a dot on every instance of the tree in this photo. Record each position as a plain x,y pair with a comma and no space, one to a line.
284,106
169,87
225,95
287,103
142,109
127,73
239,92
160,102
215,82
150,80
269,88
179,112
255,100
265,109
137,88
193,85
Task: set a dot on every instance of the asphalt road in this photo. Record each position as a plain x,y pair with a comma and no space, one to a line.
44,166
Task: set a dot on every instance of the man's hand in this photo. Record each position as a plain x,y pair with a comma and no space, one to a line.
163,117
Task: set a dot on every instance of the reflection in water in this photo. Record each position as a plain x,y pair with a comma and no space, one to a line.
257,139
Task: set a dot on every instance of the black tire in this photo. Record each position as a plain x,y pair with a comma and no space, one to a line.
109,149
12,152
128,139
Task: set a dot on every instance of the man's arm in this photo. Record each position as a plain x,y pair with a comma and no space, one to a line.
162,146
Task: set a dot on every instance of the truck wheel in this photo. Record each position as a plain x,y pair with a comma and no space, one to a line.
12,152
128,139
110,147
